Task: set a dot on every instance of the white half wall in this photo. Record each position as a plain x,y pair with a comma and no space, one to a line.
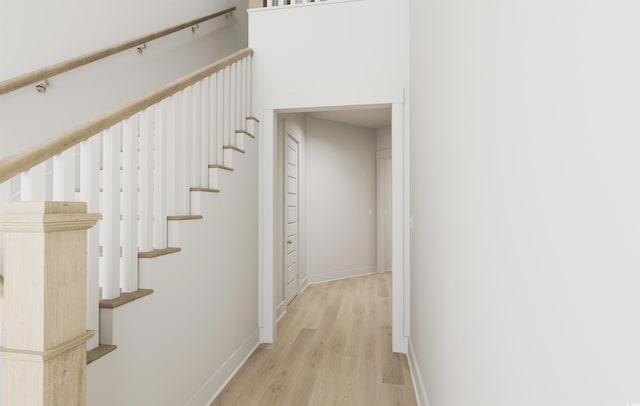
525,199
179,345
36,34
341,200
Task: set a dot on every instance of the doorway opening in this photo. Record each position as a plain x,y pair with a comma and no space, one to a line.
294,240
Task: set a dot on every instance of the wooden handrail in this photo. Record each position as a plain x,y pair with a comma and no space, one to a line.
27,79
15,164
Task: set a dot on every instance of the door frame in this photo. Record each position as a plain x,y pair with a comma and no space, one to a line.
267,142
381,258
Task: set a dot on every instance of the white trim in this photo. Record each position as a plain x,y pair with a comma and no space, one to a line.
266,189
406,222
285,7
304,283
343,274
282,315
281,310
416,377
216,383
301,102
399,340
380,231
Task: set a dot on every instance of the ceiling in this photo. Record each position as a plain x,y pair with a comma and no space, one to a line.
369,118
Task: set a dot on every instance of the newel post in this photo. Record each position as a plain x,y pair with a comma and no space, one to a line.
45,292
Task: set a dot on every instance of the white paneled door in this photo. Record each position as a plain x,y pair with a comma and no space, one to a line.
291,219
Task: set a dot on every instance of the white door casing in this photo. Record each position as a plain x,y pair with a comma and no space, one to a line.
291,174
384,223
301,102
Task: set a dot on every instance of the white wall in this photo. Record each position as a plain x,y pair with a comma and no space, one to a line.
180,344
36,34
353,59
525,202
341,200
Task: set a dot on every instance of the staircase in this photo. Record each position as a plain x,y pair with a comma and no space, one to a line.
146,168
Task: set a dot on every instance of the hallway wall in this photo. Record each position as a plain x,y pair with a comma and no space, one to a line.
525,200
341,200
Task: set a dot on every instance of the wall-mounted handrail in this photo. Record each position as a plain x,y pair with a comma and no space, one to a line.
27,79
24,160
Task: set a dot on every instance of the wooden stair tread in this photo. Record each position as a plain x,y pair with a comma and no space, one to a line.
99,352
217,166
233,148
204,189
245,132
159,252
181,218
124,298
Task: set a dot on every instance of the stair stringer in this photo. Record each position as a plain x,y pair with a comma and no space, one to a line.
179,345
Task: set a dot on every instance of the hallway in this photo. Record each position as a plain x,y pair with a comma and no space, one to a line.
333,348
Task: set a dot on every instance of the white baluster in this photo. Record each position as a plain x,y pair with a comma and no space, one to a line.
110,272
170,132
129,271
250,86
33,183
145,181
226,103
90,193
159,177
238,112
196,140
64,171
213,114
187,134
232,105
220,118
181,184
5,195
243,96
205,133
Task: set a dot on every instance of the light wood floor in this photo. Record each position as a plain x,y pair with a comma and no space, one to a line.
333,348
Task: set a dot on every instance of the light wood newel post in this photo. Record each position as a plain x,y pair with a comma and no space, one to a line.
45,331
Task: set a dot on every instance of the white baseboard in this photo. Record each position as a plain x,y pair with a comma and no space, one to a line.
214,385
335,275
416,377
304,283
281,310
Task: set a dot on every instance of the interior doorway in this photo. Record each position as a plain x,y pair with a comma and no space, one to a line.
271,216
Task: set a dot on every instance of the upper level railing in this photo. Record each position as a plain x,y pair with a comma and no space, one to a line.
138,166
39,75
278,3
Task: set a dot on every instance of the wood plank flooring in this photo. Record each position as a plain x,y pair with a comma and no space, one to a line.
333,348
